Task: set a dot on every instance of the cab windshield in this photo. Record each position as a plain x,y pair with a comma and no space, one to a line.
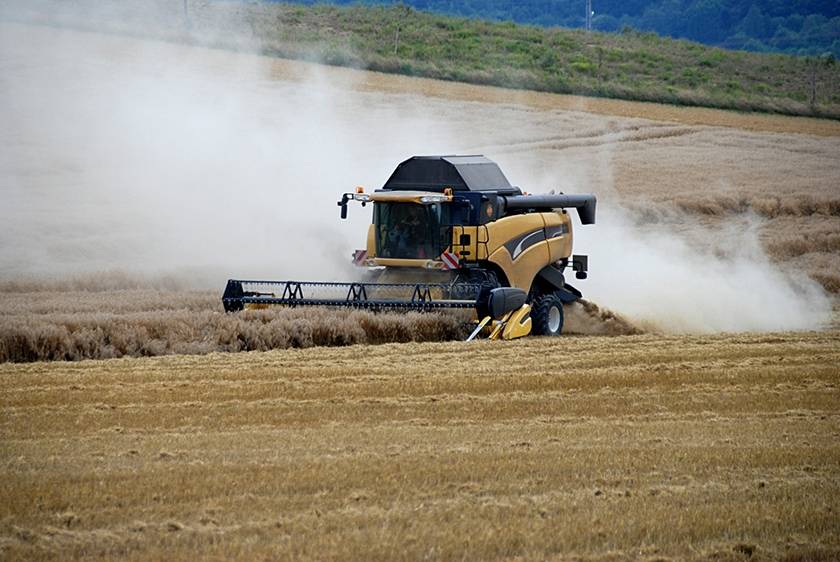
411,230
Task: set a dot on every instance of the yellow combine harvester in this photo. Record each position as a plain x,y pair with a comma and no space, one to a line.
450,232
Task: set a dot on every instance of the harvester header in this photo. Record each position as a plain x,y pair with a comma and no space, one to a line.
452,232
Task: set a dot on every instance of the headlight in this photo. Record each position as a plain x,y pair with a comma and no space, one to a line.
363,197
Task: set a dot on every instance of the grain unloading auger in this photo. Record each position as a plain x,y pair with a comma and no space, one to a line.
450,233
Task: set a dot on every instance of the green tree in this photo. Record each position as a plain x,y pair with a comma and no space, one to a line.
755,23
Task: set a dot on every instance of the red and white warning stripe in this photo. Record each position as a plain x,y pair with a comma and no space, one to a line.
450,260
359,257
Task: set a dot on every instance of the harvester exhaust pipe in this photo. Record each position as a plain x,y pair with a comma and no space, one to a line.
585,204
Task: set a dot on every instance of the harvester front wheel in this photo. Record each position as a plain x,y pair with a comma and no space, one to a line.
547,315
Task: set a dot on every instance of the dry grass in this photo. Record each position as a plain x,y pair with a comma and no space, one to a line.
639,447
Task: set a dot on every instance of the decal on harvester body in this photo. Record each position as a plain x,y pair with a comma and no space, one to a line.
518,245
556,231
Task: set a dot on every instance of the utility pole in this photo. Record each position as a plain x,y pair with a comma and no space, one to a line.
588,15
187,22
403,11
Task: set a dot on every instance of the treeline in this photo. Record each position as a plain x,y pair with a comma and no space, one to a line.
800,27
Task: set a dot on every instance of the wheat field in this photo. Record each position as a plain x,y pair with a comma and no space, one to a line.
586,448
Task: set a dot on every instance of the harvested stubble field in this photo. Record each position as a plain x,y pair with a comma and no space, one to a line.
635,447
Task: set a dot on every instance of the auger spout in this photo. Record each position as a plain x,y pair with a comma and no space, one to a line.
585,204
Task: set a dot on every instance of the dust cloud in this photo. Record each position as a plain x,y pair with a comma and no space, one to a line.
152,157
673,272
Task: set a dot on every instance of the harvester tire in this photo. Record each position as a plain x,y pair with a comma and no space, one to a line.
547,315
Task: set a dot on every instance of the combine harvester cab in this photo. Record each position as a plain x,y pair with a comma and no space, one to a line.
450,232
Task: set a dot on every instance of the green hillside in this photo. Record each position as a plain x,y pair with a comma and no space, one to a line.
630,65
633,65
804,27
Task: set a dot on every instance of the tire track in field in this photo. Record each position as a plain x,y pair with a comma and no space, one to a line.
596,138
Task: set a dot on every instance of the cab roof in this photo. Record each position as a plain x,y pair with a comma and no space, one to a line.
461,173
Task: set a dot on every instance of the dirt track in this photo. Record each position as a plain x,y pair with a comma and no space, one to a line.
598,106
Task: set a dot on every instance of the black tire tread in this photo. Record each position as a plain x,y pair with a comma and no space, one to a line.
539,314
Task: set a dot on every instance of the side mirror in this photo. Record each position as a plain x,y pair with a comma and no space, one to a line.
580,265
343,204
